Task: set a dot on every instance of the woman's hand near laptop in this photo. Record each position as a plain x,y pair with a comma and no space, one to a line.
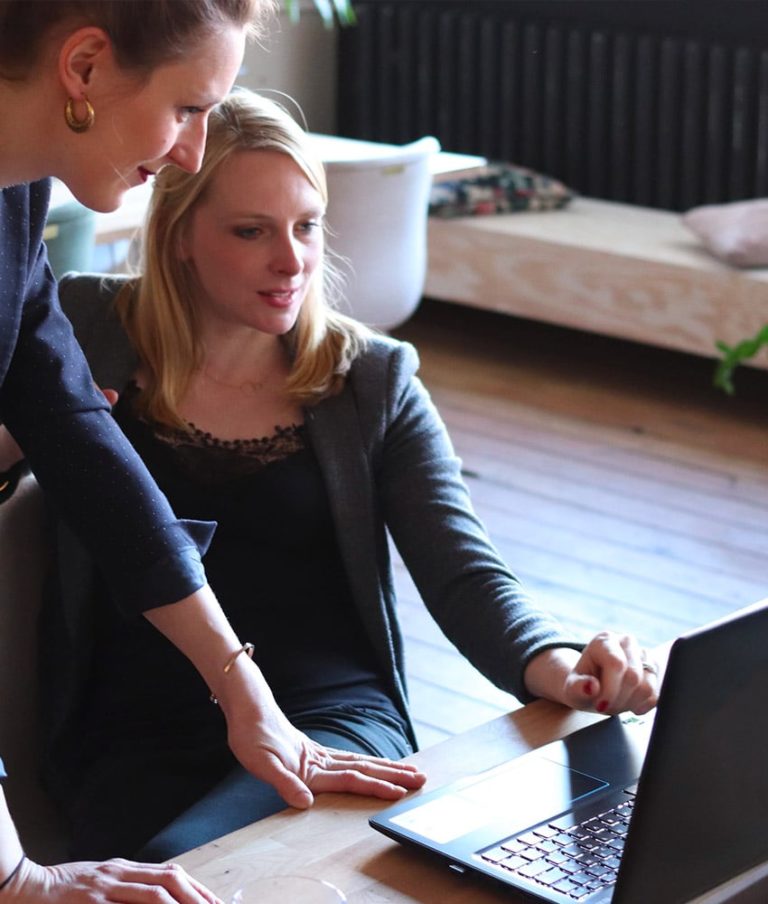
258,733
612,674
297,767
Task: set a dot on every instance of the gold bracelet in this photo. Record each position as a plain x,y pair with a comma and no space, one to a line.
246,648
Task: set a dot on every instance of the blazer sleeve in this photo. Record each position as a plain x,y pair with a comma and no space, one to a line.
478,602
89,471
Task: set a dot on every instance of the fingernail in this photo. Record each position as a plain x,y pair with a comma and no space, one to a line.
602,706
589,688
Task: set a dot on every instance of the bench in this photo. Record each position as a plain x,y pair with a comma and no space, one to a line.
616,269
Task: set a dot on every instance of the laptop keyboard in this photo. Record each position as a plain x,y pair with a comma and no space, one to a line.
575,858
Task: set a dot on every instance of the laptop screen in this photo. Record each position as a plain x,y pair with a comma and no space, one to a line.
698,816
702,804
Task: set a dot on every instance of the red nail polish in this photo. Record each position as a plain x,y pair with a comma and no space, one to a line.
602,706
588,688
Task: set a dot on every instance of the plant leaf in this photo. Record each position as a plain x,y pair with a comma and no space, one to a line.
733,355
345,12
326,11
329,11
292,8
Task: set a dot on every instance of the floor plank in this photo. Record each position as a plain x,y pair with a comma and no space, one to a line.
621,487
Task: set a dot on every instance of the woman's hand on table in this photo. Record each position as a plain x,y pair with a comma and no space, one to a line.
114,881
272,749
613,674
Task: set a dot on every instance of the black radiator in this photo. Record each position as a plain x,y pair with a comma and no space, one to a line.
658,103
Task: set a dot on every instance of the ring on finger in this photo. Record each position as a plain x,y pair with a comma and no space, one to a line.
647,664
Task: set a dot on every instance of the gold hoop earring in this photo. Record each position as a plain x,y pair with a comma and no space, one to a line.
79,125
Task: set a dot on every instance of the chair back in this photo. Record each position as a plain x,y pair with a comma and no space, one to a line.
23,560
377,220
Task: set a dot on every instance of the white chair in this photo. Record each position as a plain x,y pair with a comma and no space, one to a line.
377,220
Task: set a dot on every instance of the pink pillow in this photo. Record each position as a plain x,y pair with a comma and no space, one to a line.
736,233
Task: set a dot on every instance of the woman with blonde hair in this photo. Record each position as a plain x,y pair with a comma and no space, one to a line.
159,310
307,438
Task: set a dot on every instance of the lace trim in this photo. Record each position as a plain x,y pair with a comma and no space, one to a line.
261,451
211,460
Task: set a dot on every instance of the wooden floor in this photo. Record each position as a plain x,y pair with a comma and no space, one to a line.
621,487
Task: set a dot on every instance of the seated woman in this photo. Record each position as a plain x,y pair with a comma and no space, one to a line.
307,438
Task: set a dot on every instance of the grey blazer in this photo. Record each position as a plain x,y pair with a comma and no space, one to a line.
389,466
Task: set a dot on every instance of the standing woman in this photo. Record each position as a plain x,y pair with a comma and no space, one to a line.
102,95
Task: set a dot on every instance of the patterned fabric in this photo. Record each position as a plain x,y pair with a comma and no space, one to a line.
500,188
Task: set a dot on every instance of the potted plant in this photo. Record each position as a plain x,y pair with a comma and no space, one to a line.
331,11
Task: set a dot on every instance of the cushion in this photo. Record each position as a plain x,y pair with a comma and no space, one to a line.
736,233
499,188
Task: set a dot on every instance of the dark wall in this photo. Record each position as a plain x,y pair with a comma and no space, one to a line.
654,102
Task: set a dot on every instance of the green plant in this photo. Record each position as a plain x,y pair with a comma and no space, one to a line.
733,355
331,11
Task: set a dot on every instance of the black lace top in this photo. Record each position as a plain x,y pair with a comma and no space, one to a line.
275,566
211,461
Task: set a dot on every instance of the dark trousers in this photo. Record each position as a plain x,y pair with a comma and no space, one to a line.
153,802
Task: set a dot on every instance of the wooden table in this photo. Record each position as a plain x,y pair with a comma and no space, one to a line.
333,841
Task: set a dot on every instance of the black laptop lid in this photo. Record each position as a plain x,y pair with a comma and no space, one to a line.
701,815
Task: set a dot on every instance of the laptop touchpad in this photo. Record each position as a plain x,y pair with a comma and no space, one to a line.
521,793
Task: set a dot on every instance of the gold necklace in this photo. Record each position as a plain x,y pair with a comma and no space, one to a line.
249,387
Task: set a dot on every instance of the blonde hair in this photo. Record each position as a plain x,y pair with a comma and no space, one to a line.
157,308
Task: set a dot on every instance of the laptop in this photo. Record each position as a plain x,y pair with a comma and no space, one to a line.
658,809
